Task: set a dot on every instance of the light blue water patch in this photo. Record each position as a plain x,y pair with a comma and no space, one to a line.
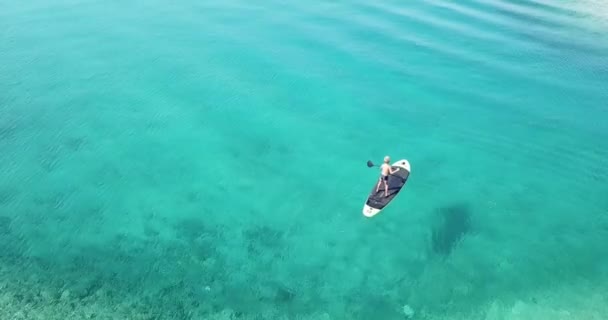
207,159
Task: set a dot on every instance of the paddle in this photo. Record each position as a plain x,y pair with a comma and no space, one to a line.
370,164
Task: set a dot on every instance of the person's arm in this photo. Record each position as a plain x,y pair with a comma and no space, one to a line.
391,169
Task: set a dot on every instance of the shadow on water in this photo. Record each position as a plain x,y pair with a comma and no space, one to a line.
451,224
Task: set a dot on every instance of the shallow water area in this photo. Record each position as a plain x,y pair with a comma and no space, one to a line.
206,160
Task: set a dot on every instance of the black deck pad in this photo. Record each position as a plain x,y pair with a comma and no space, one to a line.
396,181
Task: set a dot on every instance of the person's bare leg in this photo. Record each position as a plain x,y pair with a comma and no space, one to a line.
385,188
378,186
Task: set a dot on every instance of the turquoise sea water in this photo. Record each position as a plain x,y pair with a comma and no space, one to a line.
206,159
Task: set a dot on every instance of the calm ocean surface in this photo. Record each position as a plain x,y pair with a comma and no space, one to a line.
206,159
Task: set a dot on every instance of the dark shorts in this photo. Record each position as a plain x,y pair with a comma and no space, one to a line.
385,178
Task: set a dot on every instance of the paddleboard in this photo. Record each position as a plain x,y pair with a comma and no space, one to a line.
376,201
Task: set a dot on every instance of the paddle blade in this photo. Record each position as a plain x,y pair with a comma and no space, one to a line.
370,164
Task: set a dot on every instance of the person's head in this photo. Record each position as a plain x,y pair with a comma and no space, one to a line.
387,159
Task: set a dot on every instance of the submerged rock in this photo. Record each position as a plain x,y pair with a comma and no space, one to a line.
408,311
47,296
65,296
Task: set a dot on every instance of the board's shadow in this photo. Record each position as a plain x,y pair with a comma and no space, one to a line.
451,224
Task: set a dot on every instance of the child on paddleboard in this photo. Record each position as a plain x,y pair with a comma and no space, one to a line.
385,171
